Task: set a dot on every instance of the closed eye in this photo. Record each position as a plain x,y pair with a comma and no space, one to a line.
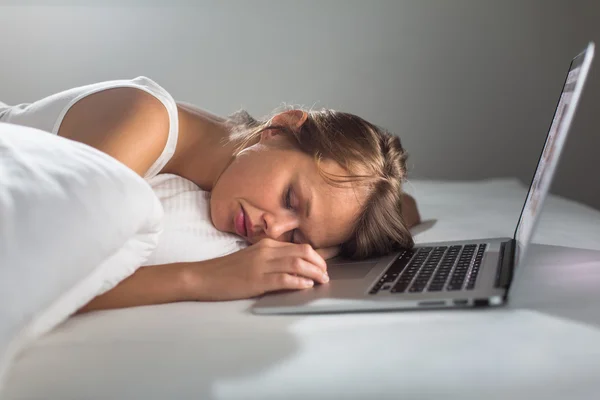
288,199
288,205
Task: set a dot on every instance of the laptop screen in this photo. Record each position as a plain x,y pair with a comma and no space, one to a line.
553,146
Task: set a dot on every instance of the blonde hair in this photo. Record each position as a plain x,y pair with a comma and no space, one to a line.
374,158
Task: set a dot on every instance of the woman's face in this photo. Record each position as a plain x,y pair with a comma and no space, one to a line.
274,190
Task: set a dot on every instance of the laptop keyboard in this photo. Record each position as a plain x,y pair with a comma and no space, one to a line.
433,269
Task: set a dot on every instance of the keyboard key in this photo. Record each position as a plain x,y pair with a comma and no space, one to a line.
454,286
399,288
472,279
406,278
393,271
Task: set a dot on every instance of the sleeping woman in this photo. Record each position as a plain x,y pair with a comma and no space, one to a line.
299,187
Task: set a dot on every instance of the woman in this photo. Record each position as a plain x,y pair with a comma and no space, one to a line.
300,187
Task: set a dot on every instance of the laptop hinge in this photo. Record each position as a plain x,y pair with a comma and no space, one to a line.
506,264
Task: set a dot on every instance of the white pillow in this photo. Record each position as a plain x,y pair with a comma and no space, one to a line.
73,223
188,234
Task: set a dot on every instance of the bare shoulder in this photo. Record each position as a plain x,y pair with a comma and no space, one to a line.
126,123
187,107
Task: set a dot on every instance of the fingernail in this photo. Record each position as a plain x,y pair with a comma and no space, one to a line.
325,278
309,283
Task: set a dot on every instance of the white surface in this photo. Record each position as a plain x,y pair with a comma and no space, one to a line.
188,233
48,113
544,344
74,222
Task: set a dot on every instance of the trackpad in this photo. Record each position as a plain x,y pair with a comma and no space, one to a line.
349,270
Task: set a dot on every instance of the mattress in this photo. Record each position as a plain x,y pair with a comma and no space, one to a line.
222,351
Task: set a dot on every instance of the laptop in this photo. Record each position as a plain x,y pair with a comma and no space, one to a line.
445,274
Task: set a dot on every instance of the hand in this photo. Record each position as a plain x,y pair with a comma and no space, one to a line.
266,266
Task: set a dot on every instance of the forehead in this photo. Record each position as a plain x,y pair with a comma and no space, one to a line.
333,209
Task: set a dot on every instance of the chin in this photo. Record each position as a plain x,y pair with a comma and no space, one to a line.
219,227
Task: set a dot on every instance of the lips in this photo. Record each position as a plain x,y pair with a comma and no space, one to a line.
247,225
240,223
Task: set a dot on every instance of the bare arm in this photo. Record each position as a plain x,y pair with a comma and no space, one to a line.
410,211
265,266
125,123
157,284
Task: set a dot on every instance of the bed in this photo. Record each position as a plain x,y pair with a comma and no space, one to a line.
544,344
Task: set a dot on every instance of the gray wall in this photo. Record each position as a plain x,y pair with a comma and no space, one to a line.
469,85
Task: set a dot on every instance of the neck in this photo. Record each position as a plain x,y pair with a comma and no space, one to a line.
203,150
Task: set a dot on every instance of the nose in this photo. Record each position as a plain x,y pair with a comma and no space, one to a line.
277,225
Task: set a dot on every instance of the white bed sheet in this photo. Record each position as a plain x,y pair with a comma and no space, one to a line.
544,344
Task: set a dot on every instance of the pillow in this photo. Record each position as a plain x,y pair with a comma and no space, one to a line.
188,234
73,223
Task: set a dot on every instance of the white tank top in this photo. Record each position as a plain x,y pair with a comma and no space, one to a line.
47,114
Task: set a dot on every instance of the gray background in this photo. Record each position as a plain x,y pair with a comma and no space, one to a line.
469,85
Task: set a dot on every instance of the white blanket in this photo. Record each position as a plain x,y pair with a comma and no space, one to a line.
73,223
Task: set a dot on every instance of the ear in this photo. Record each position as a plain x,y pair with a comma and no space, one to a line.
293,119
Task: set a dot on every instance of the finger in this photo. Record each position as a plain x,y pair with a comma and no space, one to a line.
303,268
286,250
270,243
328,252
283,281
306,252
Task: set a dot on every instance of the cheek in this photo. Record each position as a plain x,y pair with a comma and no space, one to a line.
238,181
218,211
222,200
253,177
258,179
